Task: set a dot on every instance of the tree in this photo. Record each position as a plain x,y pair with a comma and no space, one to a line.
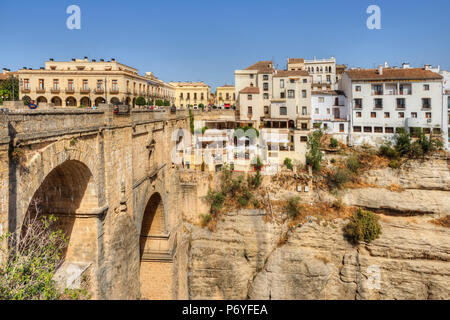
140,101
35,254
363,226
6,89
314,155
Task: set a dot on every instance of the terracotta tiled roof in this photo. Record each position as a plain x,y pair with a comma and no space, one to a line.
296,60
291,73
250,90
262,67
393,74
5,76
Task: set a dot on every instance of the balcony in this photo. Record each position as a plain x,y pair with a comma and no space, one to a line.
70,90
114,91
377,93
40,90
26,90
99,91
55,90
85,90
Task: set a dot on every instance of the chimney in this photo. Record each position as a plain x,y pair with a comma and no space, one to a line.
102,60
93,60
113,59
380,69
42,68
25,68
427,67
73,59
51,59
386,65
406,65
86,59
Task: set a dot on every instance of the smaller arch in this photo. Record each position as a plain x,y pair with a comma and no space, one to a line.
71,102
85,101
115,101
99,100
57,101
41,100
127,101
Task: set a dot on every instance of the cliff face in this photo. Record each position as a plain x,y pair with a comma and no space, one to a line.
248,258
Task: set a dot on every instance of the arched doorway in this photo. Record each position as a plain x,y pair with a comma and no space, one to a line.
156,261
57,101
115,101
134,102
69,193
41,100
99,100
127,101
85,101
71,102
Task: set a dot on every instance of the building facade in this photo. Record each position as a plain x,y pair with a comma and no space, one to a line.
330,111
225,96
385,99
81,82
191,94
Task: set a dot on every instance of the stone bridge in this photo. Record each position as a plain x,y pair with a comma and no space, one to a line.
110,181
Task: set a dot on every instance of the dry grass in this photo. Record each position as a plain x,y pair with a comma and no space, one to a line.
443,222
395,188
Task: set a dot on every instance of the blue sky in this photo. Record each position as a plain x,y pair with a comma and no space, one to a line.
207,40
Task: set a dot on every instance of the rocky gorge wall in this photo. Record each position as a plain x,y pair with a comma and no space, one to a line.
250,257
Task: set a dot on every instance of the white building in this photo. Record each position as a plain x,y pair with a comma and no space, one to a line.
330,111
385,99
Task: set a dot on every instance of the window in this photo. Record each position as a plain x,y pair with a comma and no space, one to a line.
85,85
303,93
115,87
250,110
373,114
328,110
436,131
358,103
251,76
202,97
304,111
367,129
266,77
426,130
325,126
291,80
356,129
283,111
266,109
99,84
426,103
321,99
282,96
26,84
401,115
266,96
55,84
249,97
358,114
291,94
195,96
358,88
378,129
401,103
265,86
387,114
41,84
378,103
413,114
388,130
316,111
426,87
305,80
341,127
282,83
428,115
304,126
303,139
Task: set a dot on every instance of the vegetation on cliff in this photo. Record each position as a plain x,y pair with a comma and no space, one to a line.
363,226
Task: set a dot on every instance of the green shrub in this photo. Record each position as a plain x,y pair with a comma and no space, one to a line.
353,164
254,181
205,219
216,200
256,204
333,160
140,101
338,178
293,207
402,142
394,164
387,151
243,202
288,163
334,143
363,226
314,155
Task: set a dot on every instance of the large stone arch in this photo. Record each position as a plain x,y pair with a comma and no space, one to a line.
85,101
47,159
115,101
41,100
57,101
71,102
99,101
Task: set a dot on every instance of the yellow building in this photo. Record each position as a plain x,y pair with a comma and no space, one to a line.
81,82
225,96
191,94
